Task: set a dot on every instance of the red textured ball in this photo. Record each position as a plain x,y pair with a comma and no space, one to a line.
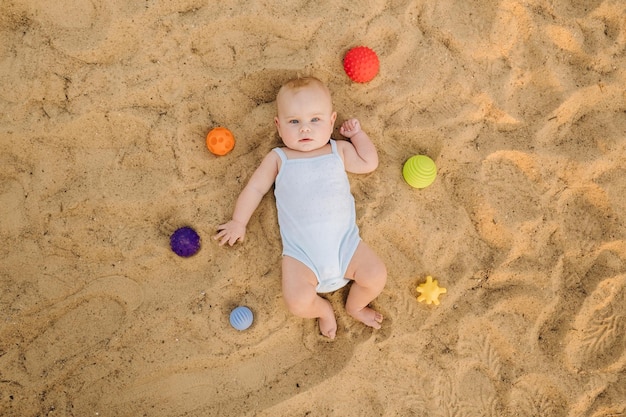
361,64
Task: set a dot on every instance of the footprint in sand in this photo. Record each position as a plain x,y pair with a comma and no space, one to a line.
587,216
93,34
598,335
470,386
514,185
537,395
71,336
479,383
577,274
470,391
507,192
231,42
69,330
583,127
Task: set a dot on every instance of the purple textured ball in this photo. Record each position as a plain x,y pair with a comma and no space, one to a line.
185,242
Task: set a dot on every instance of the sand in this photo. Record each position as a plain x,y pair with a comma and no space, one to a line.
104,109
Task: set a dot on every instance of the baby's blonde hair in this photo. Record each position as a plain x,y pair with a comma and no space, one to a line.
301,82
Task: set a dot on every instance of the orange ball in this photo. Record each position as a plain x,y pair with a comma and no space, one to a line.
220,141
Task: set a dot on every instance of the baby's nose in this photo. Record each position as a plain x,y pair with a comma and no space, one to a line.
305,127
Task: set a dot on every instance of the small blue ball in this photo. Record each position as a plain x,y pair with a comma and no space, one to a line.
185,242
241,318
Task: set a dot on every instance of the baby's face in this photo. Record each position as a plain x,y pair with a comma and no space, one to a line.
305,118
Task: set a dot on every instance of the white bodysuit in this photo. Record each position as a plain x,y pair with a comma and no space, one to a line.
316,215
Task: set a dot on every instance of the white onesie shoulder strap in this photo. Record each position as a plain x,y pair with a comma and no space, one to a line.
281,153
333,146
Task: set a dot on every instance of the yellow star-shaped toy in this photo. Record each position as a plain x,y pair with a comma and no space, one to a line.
429,291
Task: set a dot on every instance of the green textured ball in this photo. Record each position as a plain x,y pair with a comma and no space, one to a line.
419,171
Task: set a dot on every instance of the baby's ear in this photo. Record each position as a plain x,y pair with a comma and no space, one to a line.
277,124
333,117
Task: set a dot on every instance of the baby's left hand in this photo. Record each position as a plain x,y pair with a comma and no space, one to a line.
350,128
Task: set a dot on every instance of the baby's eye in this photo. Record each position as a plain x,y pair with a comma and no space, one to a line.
293,122
315,119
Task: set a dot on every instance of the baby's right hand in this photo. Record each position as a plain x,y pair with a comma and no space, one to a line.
230,233
350,128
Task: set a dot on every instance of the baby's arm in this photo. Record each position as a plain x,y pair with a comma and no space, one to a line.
249,199
359,157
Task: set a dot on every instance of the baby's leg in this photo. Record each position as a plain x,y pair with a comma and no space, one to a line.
299,291
369,274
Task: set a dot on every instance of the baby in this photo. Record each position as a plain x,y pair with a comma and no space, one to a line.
322,250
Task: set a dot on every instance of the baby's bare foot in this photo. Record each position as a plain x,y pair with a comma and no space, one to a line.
369,317
328,326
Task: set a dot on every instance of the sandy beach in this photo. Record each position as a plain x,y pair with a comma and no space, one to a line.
104,111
